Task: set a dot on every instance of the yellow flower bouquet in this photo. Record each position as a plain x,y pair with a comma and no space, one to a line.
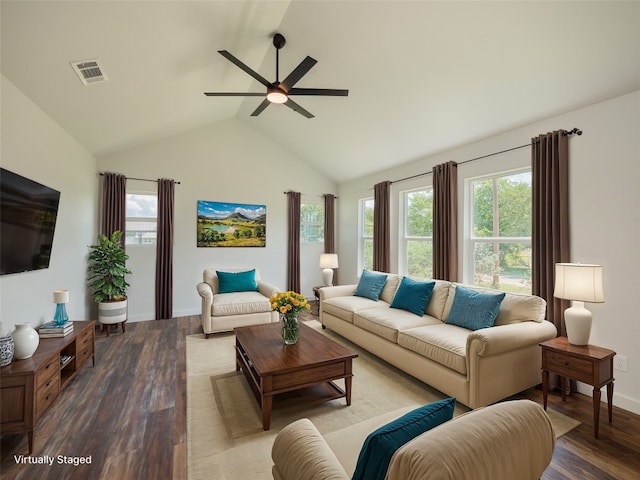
289,305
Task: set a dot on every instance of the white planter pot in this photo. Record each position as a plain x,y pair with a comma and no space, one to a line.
112,312
25,341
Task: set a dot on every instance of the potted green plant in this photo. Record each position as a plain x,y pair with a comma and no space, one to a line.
107,270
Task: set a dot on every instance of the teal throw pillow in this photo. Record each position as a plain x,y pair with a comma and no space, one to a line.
413,296
229,282
474,310
370,285
381,444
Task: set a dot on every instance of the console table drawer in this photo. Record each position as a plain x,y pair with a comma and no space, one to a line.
580,369
48,370
46,395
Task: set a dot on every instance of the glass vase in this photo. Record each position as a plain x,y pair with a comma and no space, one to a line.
60,317
289,329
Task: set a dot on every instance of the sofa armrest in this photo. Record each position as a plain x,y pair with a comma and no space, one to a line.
205,291
506,441
267,289
504,338
300,453
336,291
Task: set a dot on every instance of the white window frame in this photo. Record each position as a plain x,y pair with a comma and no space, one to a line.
153,220
404,238
470,239
362,236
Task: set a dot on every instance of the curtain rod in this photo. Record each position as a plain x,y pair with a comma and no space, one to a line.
310,194
574,131
140,179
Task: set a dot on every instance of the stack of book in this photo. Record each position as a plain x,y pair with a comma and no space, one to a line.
49,330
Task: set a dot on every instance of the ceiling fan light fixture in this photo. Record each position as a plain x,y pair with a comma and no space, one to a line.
276,95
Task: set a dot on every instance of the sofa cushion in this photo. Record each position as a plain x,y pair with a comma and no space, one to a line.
344,307
370,285
442,343
438,300
413,296
390,287
381,444
229,282
386,322
239,303
474,310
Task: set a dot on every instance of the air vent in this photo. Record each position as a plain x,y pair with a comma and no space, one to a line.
89,71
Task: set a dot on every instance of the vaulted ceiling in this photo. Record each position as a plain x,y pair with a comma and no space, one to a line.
422,76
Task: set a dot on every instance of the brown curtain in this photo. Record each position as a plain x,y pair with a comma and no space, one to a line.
381,219
164,250
330,228
445,221
114,201
550,235
293,243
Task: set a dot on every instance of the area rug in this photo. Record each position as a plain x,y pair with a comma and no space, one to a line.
225,439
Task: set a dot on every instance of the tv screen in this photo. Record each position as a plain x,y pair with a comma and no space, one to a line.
28,212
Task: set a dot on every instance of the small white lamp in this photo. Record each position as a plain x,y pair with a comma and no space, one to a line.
580,283
328,261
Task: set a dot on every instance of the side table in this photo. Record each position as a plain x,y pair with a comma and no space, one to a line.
585,363
316,293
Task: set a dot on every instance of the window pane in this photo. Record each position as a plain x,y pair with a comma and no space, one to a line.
502,206
420,213
311,223
420,258
368,253
368,218
141,221
505,266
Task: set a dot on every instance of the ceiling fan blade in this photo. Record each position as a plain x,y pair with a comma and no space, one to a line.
299,72
245,68
319,91
234,94
265,103
297,108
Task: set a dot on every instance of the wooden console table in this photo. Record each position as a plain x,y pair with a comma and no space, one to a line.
586,363
29,387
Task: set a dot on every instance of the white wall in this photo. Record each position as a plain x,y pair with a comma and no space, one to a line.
605,220
34,146
226,162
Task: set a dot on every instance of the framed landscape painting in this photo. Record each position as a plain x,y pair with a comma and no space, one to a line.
223,224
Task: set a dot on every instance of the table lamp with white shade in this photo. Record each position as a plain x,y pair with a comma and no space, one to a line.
328,261
579,283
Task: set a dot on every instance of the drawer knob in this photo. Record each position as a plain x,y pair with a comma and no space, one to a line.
566,364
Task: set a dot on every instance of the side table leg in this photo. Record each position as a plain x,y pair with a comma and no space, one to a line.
545,387
266,405
30,441
596,410
610,400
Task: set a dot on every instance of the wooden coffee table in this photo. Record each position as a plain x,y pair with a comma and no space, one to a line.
308,367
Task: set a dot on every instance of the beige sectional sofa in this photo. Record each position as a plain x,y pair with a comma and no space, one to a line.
476,367
507,441
222,312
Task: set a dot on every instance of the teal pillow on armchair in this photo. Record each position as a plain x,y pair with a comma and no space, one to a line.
229,282
381,444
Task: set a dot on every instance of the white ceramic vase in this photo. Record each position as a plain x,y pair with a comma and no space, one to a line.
25,341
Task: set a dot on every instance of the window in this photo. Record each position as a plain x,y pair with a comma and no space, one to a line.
416,242
365,237
500,231
311,223
142,218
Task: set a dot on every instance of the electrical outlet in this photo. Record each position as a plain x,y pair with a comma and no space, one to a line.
620,363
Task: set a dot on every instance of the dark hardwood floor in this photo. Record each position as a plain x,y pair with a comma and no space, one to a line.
128,413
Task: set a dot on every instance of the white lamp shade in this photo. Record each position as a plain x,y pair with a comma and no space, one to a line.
61,296
329,260
580,282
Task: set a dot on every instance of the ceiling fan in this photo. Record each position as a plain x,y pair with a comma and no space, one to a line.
279,91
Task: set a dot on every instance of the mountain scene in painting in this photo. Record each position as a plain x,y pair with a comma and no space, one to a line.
223,224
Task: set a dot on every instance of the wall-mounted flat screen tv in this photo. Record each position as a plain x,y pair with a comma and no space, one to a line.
28,212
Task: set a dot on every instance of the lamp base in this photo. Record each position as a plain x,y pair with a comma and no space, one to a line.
327,277
577,319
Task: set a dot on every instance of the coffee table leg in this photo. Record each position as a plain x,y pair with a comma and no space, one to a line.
266,405
347,389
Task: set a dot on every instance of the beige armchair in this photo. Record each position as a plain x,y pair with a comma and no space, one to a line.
222,312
